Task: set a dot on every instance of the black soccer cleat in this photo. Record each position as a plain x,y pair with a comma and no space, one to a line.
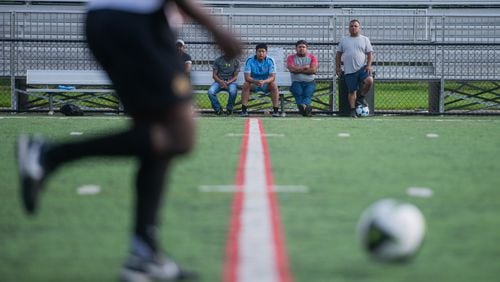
32,172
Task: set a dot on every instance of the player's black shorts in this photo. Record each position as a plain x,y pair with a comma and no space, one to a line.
138,53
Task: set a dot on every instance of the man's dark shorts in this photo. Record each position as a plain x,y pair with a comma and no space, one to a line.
353,80
138,53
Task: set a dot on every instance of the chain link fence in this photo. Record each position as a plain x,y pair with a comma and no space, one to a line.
424,63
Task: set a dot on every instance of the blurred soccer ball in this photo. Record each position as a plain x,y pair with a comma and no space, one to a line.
390,230
363,111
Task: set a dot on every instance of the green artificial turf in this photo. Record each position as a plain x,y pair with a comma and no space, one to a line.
85,238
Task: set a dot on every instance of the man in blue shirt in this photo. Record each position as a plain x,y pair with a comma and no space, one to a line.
260,76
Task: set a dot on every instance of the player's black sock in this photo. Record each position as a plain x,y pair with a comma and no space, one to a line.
149,189
275,109
244,108
136,141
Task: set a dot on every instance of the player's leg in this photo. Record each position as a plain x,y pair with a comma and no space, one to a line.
212,95
174,135
38,158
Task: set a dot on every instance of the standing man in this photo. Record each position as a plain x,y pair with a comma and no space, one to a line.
303,67
185,57
356,52
136,47
225,74
260,75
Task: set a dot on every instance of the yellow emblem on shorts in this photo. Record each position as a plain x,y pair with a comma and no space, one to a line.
181,86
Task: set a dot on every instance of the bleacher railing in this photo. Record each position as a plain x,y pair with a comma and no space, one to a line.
410,45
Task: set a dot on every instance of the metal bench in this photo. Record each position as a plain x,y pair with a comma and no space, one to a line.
50,88
283,79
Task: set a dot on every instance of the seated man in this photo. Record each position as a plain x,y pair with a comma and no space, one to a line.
303,67
225,74
260,75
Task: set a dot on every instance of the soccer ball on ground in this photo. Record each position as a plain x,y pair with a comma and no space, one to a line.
391,230
362,111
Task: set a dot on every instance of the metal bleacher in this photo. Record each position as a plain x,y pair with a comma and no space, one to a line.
424,40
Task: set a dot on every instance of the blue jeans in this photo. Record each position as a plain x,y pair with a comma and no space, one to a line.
303,92
212,95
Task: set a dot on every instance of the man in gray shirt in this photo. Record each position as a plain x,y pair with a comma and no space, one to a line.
356,52
225,74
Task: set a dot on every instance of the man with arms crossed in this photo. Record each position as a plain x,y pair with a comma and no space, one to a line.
303,67
356,52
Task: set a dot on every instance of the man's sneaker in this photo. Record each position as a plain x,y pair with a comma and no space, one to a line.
360,100
302,109
308,111
353,114
157,268
276,114
229,112
32,173
244,114
219,112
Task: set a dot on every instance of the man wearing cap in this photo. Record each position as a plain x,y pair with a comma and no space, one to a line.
185,57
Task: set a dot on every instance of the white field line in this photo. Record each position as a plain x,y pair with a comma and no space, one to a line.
255,250
266,135
234,188
89,189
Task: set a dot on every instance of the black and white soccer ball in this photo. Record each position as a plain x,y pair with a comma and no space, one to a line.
392,231
362,110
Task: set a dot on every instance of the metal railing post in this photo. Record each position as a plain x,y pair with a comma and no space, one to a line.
441,91
13,92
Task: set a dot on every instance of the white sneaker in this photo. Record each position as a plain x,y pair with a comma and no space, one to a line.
31,170
157,268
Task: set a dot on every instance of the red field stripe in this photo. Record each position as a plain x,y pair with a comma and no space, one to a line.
232,250
279,241
235,269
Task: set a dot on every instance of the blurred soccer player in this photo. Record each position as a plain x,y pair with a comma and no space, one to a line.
134,44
